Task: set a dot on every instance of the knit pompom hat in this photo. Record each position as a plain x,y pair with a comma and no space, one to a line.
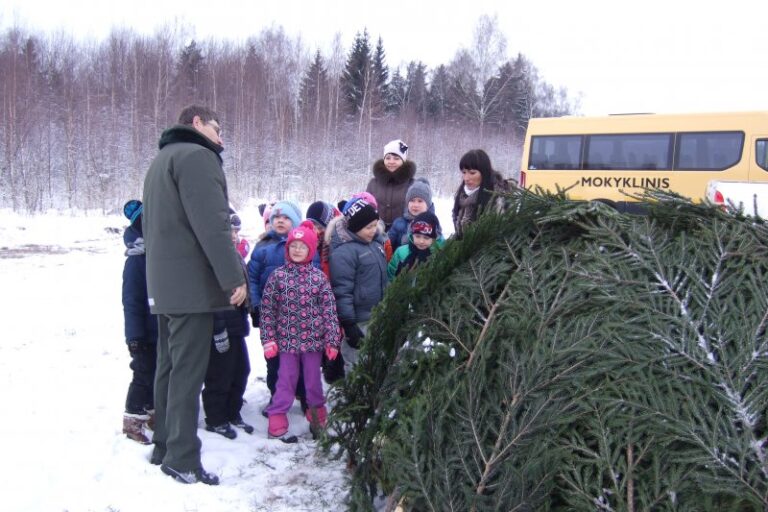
419,188
305,233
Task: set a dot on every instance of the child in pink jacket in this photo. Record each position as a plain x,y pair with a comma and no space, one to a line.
299,322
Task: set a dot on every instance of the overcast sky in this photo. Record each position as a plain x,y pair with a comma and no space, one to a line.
650,56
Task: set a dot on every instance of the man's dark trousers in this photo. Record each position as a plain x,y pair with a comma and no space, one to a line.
183,349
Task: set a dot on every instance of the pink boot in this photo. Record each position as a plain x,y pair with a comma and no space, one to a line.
278,425
317,418
278,429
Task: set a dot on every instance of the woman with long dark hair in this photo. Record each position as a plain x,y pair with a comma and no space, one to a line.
475,194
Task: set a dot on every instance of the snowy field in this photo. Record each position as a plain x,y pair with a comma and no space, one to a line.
64,371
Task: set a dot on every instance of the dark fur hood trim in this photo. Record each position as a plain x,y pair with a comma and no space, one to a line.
184,133
405,173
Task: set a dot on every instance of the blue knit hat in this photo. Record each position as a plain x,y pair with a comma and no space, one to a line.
132,209
289,209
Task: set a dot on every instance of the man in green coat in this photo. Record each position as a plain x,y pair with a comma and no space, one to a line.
193,270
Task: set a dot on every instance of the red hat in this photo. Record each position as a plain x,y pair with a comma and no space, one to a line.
304,233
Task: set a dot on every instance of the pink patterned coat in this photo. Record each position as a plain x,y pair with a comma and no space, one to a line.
298,310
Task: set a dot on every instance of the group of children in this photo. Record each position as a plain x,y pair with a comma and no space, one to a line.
314,284
312,287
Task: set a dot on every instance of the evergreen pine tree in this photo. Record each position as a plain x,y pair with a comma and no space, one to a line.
380,83
437,94
313,93
190,72
356,78
563,356
398,93
416,78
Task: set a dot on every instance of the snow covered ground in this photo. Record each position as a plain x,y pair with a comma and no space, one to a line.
64,371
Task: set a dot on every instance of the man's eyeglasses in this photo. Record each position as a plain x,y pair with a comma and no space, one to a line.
215,127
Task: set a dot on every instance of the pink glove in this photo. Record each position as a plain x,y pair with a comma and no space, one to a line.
270,349
331,352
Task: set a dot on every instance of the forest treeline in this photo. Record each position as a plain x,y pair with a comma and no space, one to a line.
80,120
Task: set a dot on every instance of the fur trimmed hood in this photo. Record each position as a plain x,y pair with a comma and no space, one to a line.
183,133
402,174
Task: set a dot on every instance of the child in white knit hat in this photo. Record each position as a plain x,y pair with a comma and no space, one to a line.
392,175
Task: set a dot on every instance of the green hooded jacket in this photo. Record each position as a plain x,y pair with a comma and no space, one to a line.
192,264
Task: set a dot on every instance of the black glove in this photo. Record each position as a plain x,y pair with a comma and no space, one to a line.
135,346
255,319
353,334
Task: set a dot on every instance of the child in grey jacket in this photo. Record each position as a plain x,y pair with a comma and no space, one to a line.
358,271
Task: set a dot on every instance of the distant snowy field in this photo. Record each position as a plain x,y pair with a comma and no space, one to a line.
64,371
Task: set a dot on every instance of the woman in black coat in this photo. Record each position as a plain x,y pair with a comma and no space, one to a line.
475,194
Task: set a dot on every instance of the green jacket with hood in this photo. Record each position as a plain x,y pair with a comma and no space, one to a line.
192,264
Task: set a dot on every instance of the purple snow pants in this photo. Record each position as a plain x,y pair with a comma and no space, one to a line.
288,376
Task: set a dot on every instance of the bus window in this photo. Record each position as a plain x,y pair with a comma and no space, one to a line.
761,153
558,152
711,151
629,151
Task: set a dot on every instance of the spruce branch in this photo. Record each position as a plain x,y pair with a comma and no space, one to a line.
488,321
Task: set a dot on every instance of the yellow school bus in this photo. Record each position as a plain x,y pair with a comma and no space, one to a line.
602,158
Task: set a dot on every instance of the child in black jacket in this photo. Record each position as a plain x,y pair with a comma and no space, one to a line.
140,330
228,369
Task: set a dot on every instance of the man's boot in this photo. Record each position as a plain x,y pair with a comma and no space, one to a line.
133,427
151,420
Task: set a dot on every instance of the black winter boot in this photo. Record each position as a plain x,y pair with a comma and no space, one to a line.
239,423
224,429
190,477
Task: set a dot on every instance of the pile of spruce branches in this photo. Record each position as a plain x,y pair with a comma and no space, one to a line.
563,356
